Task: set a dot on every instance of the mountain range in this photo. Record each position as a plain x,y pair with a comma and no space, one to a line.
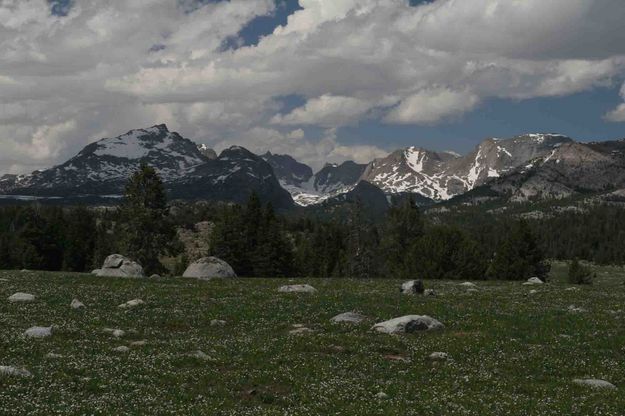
516,169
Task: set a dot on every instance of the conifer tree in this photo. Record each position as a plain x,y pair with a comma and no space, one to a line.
144,219
402,229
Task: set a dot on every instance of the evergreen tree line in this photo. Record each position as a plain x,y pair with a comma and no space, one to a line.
259,243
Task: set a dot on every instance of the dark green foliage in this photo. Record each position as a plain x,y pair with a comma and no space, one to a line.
147,231
79,240
362,245
579,274
518,257
252,240
446,253
403,229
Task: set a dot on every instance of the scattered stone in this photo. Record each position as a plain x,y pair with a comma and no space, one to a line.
25,270
429,292
76,304
200,355
218,322
393,357
468,284
121,348
595,383
306,288
408,324
300,331
349,317
472,290
21,297
438,356
38,332
7,370
117,333
131,304
209,268
412,287
155,276
3,280
53,355
533,292
572,289
117,265
138,343
533,281
575,309
381,396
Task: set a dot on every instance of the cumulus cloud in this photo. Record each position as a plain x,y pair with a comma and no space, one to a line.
326,111
432,105
618,114
109,66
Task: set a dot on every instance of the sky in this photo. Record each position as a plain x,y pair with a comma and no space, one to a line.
321,80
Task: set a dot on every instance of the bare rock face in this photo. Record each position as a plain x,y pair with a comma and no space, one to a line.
209,268
408,324
117,265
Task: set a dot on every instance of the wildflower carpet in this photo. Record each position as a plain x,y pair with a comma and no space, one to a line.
228,347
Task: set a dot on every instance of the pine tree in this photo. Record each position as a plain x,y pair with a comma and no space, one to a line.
362,244
147,229
519,256
402,229
80,240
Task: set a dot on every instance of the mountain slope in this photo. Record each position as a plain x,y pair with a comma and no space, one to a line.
442,175
103,167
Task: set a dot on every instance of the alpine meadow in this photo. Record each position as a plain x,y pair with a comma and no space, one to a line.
312,207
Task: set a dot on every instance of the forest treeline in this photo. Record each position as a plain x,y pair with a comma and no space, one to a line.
258,242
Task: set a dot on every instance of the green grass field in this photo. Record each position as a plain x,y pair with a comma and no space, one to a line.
511,352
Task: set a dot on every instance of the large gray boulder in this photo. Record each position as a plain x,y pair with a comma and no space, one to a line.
117,265
408,324
209,268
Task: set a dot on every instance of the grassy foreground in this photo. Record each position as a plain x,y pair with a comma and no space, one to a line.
511,352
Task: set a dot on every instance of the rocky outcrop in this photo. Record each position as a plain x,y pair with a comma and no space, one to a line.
117,265
209,268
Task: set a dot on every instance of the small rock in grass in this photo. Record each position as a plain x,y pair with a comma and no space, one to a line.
533,292
349,317
76,304
21,297
408,324
300,331
594,383
131,304
429,292
117,333
218,322
571,289
472,290
7,370
438,356
468,284
394,357
138,343
4,280
155,276
38,332
576,309
200,355
53,355
412,287
381,396
297,289
121,348
533,281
